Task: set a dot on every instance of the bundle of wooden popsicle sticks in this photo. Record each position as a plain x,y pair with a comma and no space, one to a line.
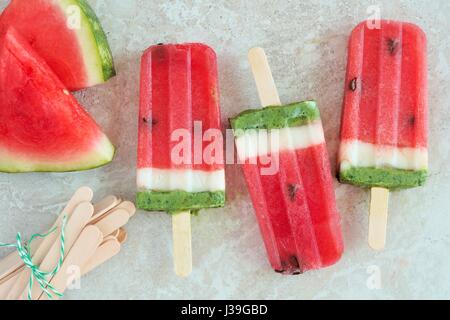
93,234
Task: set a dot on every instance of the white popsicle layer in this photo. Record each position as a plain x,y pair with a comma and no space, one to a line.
355,153
181,180
254,143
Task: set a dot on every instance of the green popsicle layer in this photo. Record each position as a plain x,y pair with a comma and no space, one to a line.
175,201
388,178
276,117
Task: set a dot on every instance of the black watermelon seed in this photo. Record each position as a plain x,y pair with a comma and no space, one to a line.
147,120
393,45
294,261
292,191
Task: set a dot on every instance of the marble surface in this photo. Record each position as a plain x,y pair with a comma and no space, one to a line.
306,44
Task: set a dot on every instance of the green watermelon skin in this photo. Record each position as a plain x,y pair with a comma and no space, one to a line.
81,57
42,126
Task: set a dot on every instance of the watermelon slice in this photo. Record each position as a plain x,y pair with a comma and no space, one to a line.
68,35
42,126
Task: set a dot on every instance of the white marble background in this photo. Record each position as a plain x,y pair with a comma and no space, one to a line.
306,44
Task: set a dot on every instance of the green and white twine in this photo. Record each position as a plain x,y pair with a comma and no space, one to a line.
42,278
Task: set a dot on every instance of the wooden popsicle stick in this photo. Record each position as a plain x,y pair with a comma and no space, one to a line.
106,203
378,216
13,261
84,194
119,234
10,264
114,234
182,243
7,284
108,238
82,251
113,221
104,206
39,247
109,247
129,206
104,252
9,276
262,74
122,236
76,223
125,205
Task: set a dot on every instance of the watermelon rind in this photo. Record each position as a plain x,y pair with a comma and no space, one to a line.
96,51
101,154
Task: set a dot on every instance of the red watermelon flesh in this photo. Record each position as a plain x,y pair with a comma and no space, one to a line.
42,126
78,53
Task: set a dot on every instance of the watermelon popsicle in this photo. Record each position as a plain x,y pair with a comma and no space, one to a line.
384,121
180,150
286,167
